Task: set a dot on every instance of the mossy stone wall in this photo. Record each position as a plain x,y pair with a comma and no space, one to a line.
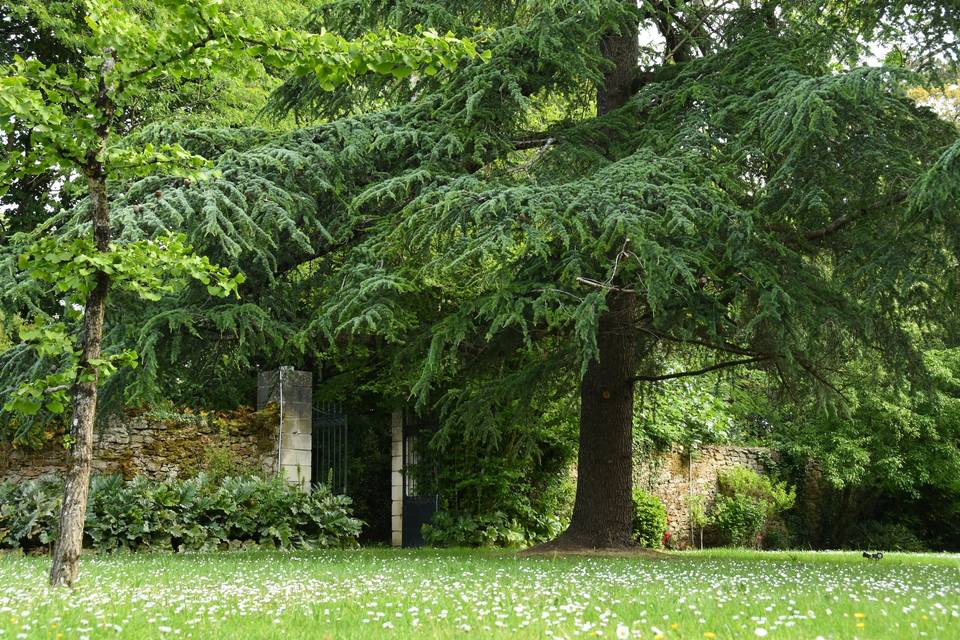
162,445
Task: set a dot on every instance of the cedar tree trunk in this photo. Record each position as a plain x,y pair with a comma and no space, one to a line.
603,509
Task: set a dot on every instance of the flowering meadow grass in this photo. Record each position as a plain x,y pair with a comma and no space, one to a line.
464,594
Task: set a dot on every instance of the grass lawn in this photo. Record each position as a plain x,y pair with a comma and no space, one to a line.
438,594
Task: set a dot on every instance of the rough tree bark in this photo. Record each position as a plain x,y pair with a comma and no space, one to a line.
603,508
66,553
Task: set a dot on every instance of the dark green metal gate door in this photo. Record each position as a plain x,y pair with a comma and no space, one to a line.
330,431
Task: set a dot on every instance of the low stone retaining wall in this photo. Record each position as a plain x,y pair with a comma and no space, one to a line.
674,475
161,446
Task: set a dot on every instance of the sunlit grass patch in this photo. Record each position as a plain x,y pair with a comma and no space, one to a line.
440,594
848,557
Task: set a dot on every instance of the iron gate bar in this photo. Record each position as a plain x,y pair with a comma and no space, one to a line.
330,440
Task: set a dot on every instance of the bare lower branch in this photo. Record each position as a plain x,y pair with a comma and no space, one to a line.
836,225
729,347
699,372
603,285
532,143
59,387
526,166
689,32
816,375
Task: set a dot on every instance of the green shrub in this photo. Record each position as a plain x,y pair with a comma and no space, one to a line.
495,529
189,514
29,514
511,511
519,521
747,509
220,462
649,519
776,535
886,536
738,520
129,515
742,481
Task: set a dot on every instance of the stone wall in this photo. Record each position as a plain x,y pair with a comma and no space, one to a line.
673,476
161,446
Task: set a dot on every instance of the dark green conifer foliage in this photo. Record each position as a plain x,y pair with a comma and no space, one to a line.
761,199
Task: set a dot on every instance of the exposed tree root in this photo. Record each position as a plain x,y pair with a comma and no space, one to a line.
572,545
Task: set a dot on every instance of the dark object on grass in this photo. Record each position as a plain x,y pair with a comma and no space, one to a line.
876,555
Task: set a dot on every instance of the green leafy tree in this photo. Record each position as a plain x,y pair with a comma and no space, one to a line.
72,111
891,453
621,181
229,94
699,519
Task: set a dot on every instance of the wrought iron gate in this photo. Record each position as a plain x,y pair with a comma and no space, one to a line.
330,431
420,499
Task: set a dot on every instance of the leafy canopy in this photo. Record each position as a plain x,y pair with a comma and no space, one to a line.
761,195
71,110
180,40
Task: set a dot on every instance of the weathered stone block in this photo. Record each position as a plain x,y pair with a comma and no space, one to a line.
300,441
295,457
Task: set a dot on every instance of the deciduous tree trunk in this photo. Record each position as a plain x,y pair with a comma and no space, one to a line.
66,553
73,512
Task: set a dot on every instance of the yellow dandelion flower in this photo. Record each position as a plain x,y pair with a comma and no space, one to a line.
860,625
675,626
709,634
858,615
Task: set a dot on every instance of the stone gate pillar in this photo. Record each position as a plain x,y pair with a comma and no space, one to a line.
396,478
293,392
